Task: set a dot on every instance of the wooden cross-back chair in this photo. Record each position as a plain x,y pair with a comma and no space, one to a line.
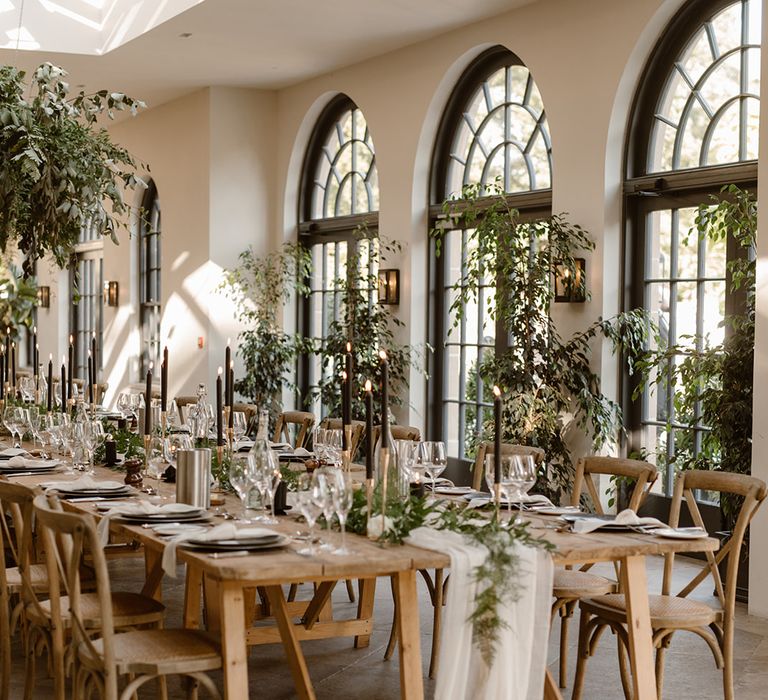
18,549
181,403
570,585
302,422
399,432
48,618
507,448
98,662
671,613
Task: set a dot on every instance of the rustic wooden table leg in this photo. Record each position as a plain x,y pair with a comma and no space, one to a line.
291,645
192,593
365,608
411,680
635,586
153,568
551,691
234,650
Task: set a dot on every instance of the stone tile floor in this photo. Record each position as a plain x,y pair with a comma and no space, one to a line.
340,672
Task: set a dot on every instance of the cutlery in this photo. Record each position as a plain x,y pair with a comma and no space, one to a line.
225,555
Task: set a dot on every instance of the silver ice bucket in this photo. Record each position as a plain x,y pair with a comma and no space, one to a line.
193,477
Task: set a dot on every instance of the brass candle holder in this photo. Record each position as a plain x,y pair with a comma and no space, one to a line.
164,423
346,455
384,453
230,440
497,499
147,444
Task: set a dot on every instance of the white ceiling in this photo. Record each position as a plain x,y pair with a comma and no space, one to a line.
254,43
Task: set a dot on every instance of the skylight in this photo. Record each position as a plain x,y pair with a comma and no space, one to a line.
92,27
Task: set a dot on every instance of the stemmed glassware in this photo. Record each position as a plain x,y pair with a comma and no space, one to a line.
27,388
90,434
521,476
241,477
310,505
172,444
33,423
408,458
318,443
239,426
324,479
341,494
333,443
267,478
432,456
14,419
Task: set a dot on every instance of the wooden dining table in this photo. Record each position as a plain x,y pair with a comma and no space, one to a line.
230,586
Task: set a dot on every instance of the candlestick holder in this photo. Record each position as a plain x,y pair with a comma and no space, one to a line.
94,394
164,423
348,443
384,454
147,445
230,439
220,455
497,500
37,396
225,415
346,460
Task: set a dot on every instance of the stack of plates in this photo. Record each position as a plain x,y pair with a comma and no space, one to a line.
98,489
172,512
249,544
30,466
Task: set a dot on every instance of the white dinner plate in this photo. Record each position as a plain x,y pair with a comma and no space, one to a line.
672,533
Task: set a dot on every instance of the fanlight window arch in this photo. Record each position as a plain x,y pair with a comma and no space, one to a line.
708,111
503,134
345,178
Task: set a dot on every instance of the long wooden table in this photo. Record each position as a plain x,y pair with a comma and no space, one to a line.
229,582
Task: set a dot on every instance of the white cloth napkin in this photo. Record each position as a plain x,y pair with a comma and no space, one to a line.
84,483
225,531
626,517
521,654
139,508
13,452
527,500
30,463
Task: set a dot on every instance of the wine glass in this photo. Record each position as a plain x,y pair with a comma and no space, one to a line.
318,443
124,405
27,388
156,462
522,476
267,478
239,426
310,508
324,495
333,443
172,416
342,495
407,457
241,478
172,444
433,459
92,435
13,419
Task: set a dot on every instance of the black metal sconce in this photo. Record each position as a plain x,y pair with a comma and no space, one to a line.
44,297
571,283
112,293
389,287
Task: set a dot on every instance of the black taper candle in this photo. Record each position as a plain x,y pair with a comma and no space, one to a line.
13,365
69,369
231,373
164,382
497,435
228,377
368,430
34,351
344,409
2,374
94,356
63,384
7,353
50,383
219,411
148,403
90,378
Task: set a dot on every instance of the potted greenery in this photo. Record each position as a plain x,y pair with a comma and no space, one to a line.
18,297
260,286
711,383
547,382
60,172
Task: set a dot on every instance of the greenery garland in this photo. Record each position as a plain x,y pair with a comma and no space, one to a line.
498,577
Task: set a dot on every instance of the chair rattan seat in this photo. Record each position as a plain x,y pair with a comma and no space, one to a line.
159,652
572,583
667,611
128,609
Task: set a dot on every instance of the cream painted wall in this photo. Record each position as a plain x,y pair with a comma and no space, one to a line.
175,140
582,56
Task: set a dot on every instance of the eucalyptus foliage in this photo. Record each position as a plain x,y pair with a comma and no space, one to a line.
547,382
260,286
18,298
712,383
60,172
369,326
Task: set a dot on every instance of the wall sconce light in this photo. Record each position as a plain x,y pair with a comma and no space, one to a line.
571,284
112,293
44,297
389,287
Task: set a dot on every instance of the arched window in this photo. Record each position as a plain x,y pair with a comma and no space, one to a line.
694,129
339,199
493,132
150,267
